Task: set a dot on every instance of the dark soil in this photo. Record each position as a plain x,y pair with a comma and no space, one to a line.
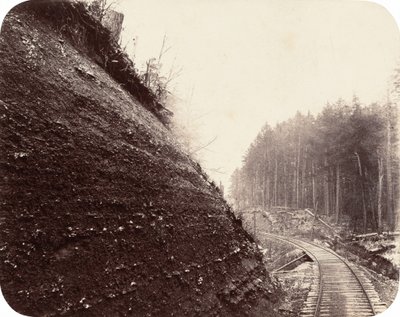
101,213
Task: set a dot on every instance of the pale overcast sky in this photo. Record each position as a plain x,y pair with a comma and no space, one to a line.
258,61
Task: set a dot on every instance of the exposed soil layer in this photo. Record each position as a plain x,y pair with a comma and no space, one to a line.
101,213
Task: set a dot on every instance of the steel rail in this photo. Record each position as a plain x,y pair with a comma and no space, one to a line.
298,243
317,309
352,271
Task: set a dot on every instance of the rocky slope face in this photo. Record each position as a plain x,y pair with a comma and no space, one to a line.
101,213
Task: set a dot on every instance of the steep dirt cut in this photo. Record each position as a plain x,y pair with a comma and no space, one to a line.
101,213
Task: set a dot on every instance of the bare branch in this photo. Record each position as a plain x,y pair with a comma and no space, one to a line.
163,50
216,170
204,146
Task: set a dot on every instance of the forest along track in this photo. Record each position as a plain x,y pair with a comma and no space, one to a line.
341,289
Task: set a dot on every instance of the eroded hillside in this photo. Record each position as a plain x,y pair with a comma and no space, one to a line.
101,213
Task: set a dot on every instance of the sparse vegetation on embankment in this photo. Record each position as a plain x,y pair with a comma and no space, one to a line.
74,21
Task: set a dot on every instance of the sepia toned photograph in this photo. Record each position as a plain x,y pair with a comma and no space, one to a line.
199,158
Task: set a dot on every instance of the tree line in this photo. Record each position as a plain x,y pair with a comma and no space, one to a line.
341,163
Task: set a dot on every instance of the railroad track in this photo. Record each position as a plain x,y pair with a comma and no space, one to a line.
341,290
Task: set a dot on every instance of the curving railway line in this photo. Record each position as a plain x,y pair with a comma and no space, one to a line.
341,289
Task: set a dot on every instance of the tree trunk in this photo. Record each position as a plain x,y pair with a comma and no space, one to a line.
297,172
362,193
389,184
313,186
268,192
251,203
380,182
302,181
264,178
254,223
326,184
294,189
285,184
147,74
332,185
337,193
276,182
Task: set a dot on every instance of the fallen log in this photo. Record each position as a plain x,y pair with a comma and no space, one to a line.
320,220
374,234
382,249
304,255
365,235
